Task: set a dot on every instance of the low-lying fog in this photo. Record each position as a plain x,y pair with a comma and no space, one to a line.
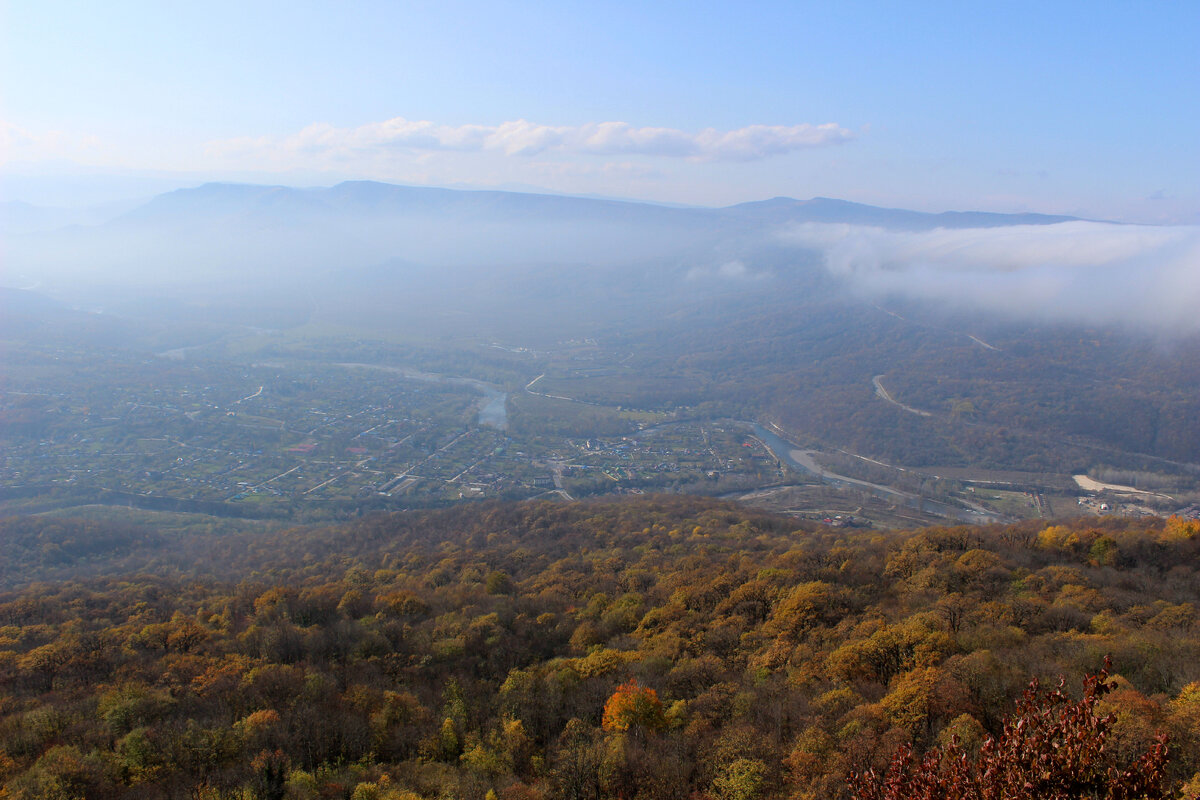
364,243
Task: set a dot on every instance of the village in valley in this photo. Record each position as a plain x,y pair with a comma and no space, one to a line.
308,439
254,439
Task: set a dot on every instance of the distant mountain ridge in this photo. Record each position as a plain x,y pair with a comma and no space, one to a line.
377,198
236,235
825,209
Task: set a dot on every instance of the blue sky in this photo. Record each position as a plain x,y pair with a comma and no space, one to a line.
1084,108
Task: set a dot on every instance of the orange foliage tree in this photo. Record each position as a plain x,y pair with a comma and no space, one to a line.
633,708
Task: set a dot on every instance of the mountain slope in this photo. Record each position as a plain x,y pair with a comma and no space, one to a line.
222,230
488,648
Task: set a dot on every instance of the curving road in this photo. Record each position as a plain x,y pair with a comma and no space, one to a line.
884,394
804,461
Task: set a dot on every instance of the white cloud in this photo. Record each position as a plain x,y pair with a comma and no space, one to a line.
524,138
22,144
1148,276
734,270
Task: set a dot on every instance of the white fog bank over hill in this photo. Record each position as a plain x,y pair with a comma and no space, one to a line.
1080,272
246,239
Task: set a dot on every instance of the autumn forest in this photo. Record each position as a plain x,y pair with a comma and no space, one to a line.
665,647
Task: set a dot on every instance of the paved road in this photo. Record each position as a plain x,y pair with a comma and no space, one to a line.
884,394
804,461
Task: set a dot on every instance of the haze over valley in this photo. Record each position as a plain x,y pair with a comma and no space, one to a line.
919,358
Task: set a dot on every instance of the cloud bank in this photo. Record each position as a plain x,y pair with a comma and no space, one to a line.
24,144
734,270
524,138
1087,272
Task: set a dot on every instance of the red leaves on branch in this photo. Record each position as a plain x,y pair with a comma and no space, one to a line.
1054,749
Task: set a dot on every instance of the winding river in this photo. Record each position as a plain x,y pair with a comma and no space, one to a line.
803,461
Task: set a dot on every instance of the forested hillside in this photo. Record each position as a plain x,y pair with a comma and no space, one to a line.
659,648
